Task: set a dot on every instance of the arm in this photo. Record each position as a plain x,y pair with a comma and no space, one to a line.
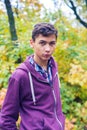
10,108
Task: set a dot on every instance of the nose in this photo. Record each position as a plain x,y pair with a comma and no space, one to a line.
47,48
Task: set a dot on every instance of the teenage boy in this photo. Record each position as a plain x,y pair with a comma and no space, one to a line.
33,89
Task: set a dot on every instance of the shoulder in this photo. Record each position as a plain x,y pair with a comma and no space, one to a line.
19,74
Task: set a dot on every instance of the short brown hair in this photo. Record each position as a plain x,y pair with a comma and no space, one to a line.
44,29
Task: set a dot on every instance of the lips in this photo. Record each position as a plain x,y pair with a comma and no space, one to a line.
46,55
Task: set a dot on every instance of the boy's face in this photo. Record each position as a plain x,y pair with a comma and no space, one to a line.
43,47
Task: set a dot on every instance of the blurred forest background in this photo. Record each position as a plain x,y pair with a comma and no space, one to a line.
17,19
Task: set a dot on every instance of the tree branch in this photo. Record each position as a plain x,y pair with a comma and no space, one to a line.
67,4
76,14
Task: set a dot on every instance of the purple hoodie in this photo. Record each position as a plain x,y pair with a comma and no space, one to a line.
31,96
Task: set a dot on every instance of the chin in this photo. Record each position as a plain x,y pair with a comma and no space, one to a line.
46,59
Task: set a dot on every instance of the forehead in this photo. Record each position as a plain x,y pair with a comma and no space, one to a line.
51,37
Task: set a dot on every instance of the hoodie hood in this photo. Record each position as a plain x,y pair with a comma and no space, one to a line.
27,67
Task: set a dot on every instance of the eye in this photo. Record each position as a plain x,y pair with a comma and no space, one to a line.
52,43
42,43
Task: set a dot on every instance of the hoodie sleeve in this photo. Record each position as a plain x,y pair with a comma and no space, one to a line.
10,109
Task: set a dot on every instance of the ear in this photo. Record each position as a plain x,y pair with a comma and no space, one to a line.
31,43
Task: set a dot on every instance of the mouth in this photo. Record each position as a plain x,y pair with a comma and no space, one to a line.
46,55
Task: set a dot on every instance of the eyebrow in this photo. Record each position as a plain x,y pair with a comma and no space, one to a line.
46,41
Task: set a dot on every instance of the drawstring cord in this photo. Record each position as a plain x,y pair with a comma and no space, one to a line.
58,79
32,88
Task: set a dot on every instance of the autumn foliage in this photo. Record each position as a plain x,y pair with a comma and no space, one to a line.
70,53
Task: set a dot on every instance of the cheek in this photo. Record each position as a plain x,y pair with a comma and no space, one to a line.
53,49
38,49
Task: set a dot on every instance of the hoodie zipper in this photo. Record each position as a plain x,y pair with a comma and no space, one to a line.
55,104
55,110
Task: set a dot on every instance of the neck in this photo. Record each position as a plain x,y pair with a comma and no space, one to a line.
43,64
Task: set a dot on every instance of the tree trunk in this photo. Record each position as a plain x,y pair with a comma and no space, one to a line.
11,20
